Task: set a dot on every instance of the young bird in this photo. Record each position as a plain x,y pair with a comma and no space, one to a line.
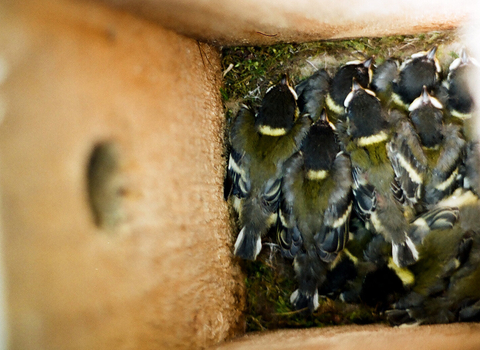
260,146
341,85
447,274
382,80
460,102
471,178
426,157
362,272
421,69
368,134
311,94
316,203
376,280
428,302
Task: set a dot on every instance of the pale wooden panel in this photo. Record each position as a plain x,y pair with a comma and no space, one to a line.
79,73
375,337
233,22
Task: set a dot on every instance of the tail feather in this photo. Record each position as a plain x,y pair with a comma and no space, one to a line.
470,313
328,248
462,255
404,254
326,256
311,94
290,241
335,240
227,186
384,75
430,311
411,300
310,273
303,300
399,317
439,218
248,244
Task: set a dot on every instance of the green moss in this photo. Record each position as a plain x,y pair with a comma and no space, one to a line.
270,281
251,70
454,55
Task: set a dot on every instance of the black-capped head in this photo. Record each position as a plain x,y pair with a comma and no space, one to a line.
278,111
384,75
427,117
342,81
464,56
381,288
311,93
320,147
460,101
461,61
366,121
421,69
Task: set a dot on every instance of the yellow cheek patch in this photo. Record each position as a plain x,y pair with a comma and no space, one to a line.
459,115
282,219
412,173
351,256
341,221
398,101
234,166
317,174
333,106
448,182
371,140
377,224
459,198
293,92
272,219
438,68
269,131
405,275
237,204
340,256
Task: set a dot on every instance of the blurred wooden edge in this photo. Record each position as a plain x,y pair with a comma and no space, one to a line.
77,77
373,337
251,22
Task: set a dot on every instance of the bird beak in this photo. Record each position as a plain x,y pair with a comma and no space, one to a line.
431,56
425,95
323,116
368,63
244,106
284,81
426,98
464,56
431,53
355,85
422,100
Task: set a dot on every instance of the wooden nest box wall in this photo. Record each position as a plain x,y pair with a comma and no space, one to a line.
114,231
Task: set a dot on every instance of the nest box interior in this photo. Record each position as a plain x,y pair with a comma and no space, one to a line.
114,231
